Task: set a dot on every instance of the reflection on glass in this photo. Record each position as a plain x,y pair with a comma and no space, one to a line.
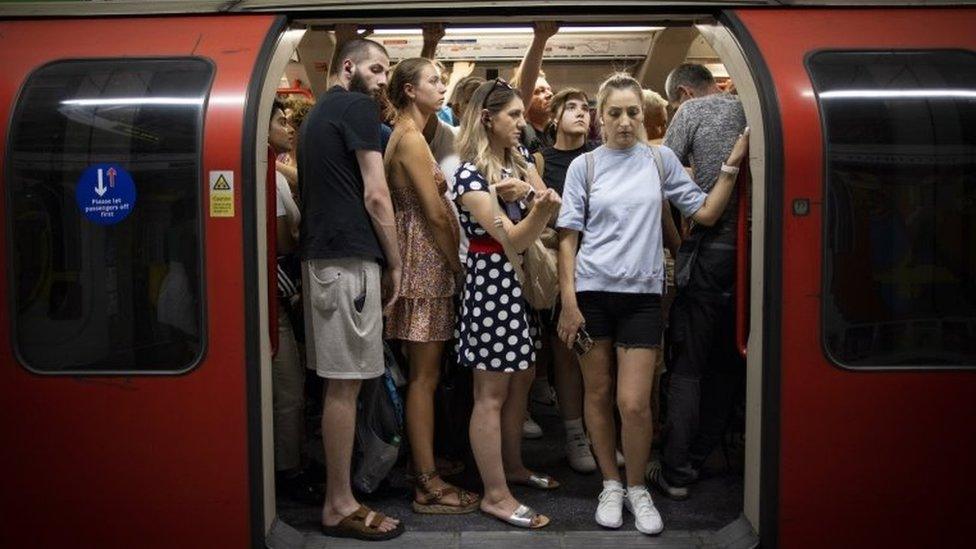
115,298
899,285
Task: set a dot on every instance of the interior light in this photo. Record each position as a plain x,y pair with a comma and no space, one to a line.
114,101
899,94
516,30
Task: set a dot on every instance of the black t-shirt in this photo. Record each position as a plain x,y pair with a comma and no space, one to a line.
535,140
335,223
557,162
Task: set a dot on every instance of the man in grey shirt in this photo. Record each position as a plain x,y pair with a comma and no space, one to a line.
702,360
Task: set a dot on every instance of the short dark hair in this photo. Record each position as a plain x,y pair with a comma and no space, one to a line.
278,105
692,75
356,50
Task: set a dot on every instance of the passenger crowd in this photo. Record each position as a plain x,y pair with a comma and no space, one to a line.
523,226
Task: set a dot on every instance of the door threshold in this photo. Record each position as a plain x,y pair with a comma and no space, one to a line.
736,535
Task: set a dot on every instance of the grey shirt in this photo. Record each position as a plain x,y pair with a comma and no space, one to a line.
702,134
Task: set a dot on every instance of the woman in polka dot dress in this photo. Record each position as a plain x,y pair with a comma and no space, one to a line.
497,336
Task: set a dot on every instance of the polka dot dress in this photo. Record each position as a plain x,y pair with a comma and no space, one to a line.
496,331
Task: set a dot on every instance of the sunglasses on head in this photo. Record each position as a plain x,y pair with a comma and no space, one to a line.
498,83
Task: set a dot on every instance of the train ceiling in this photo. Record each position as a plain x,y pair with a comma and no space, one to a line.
91,8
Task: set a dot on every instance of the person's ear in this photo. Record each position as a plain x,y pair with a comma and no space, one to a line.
410,91
486,117
348,66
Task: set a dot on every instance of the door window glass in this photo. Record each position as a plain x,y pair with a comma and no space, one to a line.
103,181
899,276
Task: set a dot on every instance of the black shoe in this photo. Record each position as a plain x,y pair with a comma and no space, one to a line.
655,477
300,489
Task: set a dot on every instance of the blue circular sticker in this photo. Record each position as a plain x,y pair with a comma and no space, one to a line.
105,193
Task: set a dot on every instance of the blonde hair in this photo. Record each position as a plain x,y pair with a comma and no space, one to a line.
473,142
623,82
653,99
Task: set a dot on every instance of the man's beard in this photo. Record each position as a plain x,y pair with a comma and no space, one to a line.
358,84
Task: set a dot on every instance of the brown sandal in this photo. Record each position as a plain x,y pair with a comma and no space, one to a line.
362,524
432,500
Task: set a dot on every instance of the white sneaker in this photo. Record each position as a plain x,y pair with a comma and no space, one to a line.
646,518
531,429
578,453
610,510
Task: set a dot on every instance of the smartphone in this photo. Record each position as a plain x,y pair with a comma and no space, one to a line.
583,342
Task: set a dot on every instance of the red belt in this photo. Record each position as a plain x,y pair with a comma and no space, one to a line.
485,245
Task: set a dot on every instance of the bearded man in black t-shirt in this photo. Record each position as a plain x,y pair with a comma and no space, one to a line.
351,265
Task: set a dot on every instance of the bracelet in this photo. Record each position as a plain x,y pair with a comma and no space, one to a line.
731,170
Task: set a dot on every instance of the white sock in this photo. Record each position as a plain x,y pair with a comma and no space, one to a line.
612,484
574,426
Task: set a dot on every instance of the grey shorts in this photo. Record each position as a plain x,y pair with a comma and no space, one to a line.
343,317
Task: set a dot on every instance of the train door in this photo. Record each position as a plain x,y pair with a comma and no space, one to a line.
130,385
868,424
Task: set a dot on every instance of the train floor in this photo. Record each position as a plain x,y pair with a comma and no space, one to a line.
716,501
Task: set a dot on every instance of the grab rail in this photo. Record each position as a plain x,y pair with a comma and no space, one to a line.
742,261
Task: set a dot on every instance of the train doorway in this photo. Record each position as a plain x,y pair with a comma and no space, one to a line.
728,503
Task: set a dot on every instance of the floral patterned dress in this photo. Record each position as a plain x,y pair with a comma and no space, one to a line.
425,310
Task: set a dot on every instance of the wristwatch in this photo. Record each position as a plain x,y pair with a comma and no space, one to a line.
529,195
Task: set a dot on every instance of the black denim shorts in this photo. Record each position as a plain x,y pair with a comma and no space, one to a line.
630,320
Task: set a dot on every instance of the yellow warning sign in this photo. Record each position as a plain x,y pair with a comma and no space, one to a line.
222,194
221,184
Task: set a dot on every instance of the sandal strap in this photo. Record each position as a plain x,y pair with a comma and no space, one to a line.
374,519
437,496
425,477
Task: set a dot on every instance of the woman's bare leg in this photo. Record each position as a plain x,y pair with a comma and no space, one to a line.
635,376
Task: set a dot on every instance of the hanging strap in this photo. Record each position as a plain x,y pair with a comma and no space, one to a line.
513,257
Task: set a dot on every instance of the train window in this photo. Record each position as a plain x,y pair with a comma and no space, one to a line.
104,188
899,275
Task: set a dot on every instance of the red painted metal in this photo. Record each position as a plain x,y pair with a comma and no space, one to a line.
137,461
867,459
742,257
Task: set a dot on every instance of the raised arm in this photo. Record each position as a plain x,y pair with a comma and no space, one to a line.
419,166
528,71
433,32
376,198
711,210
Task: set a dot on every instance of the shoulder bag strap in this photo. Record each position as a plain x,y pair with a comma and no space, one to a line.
659,162
513,257
590,167
540,163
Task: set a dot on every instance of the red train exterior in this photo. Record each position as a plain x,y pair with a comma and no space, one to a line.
849,458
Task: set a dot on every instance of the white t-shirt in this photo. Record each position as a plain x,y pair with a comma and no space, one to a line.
286,206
